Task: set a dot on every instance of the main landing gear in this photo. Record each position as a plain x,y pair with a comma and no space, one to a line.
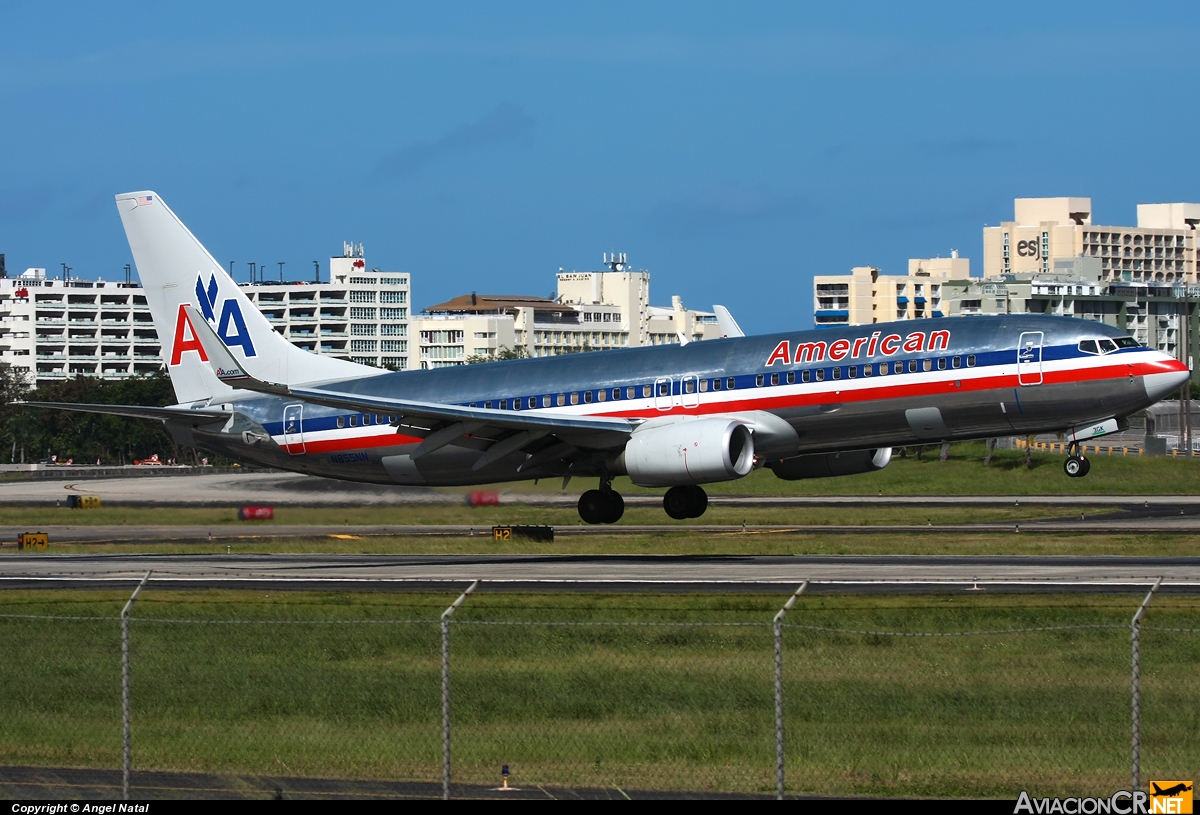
602,506
685,502
1076,466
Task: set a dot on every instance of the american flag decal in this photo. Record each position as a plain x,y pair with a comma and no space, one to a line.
145,200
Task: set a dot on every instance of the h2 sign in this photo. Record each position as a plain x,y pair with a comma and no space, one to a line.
231,325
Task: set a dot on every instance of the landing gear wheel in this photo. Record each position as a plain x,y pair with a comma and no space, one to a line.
1087,466
593,507
1075,467
601,507
616,506
685,502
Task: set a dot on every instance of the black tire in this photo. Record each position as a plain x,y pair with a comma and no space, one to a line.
678,503
699,502
616,507
1073,467
593,507
1087,467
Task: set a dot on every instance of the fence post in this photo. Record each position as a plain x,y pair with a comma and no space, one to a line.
128,758
779,689
1136,685
446,688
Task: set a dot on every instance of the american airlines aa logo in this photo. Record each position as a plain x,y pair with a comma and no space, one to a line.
231,327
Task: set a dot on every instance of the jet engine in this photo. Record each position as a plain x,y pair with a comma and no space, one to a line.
694,451
831,464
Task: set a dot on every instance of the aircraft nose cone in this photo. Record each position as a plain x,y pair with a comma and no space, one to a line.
1164,384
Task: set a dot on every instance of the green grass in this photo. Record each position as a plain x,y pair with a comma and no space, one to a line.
674,543
333,694
963,474
224,521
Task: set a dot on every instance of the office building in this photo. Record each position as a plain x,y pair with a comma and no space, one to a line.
866,296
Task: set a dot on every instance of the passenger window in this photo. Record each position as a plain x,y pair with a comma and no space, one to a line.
587,396
912,366
958,362
868,370
758,381
820,374
703,385
664,388
562,399
616,394
487,405
602,394
645,391
716,384
516,404
575,399
791,377
533,401
927,364
970,360
774,379
898,368
545,401
689,385
804,376
883,368
941,363
354,421
837,373
853,371
730,383
341,421
631,393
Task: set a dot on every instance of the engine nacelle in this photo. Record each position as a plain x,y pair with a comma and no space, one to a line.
693,451
830,464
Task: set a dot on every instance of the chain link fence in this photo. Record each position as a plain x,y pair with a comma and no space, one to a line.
937,696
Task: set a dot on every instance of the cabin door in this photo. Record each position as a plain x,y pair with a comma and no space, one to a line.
1029,358
293,435
663,398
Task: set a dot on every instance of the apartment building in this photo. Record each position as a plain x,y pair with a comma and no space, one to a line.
592,311
866,296
360,314
1161,249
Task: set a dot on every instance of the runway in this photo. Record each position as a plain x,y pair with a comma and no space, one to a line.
830,573
292,489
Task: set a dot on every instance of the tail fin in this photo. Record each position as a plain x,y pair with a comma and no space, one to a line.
176,270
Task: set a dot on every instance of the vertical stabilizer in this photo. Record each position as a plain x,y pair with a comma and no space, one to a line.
176,270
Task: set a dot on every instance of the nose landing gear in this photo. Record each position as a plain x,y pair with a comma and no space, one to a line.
1076,466
602,506
685,502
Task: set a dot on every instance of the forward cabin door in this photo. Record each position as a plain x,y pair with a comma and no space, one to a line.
663,398
293,435
1029,358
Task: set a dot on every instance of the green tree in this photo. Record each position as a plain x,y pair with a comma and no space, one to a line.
502,353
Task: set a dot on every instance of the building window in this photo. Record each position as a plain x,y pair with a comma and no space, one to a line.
362,329
361,313
362,346
393,314
362,297
388,297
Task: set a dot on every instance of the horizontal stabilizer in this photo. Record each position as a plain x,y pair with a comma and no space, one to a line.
203,416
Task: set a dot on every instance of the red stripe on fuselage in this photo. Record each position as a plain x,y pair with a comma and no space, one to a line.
317,446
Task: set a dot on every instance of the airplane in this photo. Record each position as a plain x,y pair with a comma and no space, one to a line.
804,404
1170,792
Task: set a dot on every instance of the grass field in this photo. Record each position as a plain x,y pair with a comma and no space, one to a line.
347,685
963,474
462,515
680,543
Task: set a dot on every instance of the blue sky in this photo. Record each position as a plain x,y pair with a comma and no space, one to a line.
733,149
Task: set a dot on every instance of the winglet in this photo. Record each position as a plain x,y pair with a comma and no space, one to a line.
728,325
224,365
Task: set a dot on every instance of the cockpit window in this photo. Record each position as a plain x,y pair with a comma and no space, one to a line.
1128,342
1088,347
1107,346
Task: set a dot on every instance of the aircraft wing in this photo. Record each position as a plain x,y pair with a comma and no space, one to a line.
466,419
202,416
